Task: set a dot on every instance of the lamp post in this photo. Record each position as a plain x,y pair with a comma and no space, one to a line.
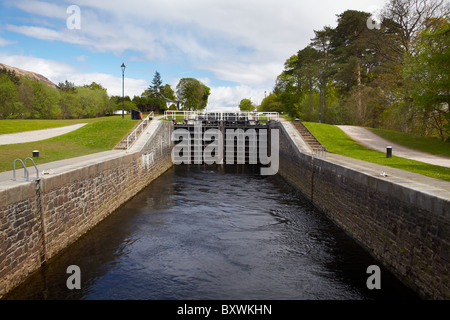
123,97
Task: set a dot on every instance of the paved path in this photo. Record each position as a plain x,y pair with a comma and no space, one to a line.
437,187
373,141
37,135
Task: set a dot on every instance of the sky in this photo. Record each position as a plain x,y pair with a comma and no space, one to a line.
235,47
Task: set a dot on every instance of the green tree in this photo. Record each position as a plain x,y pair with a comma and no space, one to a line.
67,86
26,96
94,86
403,23
11,75
428,77
69,104
128,104
45,101
152,99
168,92
94,101
246,105
156,86
270,104
8,97
193,94
206,91
150,102
410,15
353,53
308,66
288,87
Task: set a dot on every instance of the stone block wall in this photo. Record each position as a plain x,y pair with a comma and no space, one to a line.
39,219
405,229
21,234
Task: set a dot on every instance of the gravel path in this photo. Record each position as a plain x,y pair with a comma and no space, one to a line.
372,141
37,135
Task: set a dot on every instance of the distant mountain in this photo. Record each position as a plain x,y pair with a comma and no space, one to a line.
29,74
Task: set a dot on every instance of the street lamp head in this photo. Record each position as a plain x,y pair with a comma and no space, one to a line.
123,66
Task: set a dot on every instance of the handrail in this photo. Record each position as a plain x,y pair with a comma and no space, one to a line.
321,151
220,116
34,164
140,126
25,171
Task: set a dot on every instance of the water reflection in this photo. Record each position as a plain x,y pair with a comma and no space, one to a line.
214,233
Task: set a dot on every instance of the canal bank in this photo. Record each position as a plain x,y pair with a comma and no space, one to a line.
401,218
40,218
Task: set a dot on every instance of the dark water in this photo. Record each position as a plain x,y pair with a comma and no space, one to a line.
212,233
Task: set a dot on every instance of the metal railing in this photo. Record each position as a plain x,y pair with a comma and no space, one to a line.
321,151
220,116
132,137
26,175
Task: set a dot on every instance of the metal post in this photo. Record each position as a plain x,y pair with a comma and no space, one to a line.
388,152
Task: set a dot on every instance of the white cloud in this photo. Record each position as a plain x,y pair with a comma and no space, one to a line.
37,32
4,42
53,70
248,73
253,37
42,8
82,58
228,98
205,80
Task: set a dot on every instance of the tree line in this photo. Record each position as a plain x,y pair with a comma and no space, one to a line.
393,74
25,98
190,94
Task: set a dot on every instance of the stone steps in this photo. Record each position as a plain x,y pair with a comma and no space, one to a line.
307,136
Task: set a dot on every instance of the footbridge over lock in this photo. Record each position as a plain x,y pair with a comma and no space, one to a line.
224,137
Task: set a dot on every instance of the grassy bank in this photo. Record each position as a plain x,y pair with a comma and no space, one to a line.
424,144
338,142
13,126
100,134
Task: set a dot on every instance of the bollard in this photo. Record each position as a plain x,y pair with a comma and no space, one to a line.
388,152
36,154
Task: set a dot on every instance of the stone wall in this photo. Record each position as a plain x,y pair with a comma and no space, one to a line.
39,219
21,250
405,229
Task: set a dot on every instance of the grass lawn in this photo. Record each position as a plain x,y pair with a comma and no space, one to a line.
100,134
425,144
20,125
336,141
